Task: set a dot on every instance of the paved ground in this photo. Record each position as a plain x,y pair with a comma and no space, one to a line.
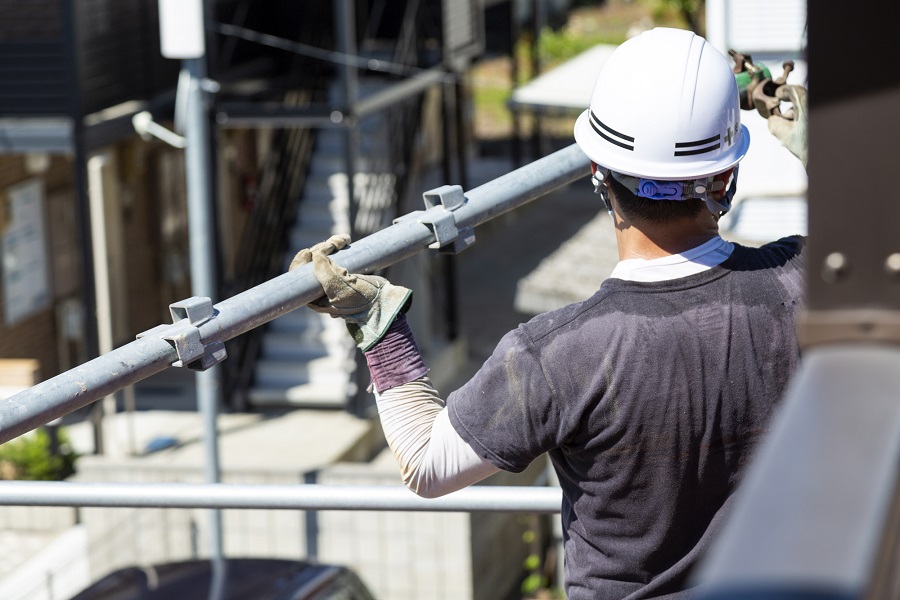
513,246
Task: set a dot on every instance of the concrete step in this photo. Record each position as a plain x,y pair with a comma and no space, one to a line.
272,373
330,165
327,160
316,186
307,238
306,322
324,215
333,141
332,186
323,220
304,347
313,395
307,358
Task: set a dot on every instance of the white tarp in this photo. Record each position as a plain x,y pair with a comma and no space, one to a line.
567,86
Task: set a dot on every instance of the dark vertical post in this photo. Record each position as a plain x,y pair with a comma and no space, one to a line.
462,149
516,135
855,145
462,138
447,97
537,24
345,24
818,514
82,203
446,264
345,20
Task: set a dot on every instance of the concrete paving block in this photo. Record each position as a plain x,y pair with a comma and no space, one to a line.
305,396
573,272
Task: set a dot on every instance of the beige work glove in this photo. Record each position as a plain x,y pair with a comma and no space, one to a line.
367,303
790,127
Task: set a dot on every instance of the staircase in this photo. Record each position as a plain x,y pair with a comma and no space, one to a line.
304,359
308,359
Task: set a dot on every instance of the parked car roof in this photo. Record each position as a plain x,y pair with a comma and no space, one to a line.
245,579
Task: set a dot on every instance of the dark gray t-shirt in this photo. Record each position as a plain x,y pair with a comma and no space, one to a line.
649,398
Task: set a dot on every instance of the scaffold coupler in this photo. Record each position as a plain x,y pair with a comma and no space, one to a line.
438,216
184,334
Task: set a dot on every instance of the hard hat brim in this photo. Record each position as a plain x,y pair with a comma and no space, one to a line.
606,155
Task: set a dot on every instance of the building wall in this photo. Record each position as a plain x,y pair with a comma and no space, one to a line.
36,336
145,213
154,233
141,224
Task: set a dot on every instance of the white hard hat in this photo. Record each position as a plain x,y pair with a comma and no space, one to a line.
665,106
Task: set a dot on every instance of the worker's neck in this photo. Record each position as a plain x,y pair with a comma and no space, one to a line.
653,240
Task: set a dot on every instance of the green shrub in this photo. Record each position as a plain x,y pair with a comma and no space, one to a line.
30,458
559,46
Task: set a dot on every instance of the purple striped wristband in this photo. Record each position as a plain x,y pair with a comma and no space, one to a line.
395,359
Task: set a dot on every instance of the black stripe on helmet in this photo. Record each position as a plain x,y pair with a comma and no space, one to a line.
597,124
698,150
714,138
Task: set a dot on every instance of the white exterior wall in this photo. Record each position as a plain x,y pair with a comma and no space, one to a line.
762,26
771,198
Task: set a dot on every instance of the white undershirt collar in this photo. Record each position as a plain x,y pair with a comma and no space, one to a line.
696,260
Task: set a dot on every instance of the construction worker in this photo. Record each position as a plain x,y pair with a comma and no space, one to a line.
649,396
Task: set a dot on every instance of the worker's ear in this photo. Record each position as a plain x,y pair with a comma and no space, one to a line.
724,177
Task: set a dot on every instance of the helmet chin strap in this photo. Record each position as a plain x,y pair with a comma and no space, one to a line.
653,189
598,179
722,206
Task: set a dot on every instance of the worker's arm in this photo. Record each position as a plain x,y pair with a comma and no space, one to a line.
434,460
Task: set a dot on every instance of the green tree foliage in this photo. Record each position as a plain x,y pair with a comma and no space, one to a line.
558,46
693,12
32,457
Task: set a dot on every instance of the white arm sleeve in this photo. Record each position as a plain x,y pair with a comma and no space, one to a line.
434,460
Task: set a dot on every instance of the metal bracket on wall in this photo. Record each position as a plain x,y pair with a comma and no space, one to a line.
184,334
439,218
846,326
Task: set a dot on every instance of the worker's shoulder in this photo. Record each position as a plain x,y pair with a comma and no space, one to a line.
792,243
571,317
787,250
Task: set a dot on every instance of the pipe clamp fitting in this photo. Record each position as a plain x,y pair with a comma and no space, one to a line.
440,203
184,334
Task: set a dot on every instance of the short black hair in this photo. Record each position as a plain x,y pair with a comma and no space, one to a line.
638,208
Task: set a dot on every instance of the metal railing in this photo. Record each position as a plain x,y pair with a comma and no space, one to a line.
278,496
200,329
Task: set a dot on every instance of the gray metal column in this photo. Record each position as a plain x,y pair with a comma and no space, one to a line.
345,20
201,223
818,513
538,20
82,207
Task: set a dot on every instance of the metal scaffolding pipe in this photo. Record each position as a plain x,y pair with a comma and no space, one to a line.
146,356
398,92
288,497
